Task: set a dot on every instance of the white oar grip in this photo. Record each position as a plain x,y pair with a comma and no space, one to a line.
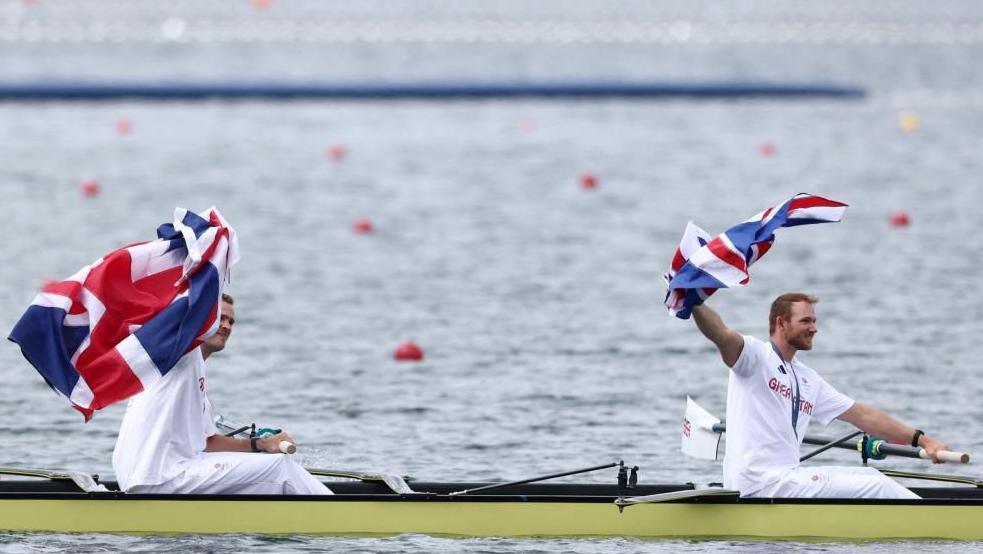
287,447
947,456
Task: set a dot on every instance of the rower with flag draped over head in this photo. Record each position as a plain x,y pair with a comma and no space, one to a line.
772,395
138,324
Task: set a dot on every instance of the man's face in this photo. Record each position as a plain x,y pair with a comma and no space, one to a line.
216,342
801,326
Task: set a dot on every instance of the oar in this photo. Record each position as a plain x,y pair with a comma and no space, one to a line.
231,430
831,444
395,483
962,479
876,447
533,479
84,481
702,431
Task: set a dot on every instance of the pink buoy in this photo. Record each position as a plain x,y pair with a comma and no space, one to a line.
363,226
588,181
767,149
123,126
528,125
900,219
89,188
337,153
408,352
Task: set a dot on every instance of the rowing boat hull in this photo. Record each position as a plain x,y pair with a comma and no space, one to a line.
510,516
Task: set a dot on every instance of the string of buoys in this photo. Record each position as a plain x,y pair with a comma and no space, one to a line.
909,123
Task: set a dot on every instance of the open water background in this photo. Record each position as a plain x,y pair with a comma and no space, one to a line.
538,303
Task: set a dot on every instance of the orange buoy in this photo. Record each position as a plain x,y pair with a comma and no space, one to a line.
363,226
89,188
337,152
123,126
260,4
588,181
408,352
900,219
767,149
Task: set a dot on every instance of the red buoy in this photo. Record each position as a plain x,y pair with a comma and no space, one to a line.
363,226
89,188
337,152
767,149
900,219
408,352
588,181
123,126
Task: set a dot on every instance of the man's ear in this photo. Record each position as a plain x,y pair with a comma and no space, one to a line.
780,322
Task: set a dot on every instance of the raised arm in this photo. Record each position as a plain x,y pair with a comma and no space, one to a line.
729,342
877,423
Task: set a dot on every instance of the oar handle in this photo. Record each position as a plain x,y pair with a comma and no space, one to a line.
912,452
287,447
946,456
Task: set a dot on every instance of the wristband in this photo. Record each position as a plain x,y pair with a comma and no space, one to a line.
252,444
918,435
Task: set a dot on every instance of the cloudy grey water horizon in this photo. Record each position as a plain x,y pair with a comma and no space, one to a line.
538,303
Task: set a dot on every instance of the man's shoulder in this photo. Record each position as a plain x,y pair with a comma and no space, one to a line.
753,342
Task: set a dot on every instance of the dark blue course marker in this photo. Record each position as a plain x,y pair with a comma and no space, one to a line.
275,91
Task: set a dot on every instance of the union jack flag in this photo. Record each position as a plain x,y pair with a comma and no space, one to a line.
116,326
702,265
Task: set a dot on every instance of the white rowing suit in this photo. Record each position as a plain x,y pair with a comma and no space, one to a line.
762,457
161,445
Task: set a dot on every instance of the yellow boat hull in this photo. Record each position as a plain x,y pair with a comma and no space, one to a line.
491,518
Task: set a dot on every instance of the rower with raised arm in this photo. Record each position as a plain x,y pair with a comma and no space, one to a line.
771,397
168,442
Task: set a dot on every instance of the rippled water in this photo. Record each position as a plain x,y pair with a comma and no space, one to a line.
538,303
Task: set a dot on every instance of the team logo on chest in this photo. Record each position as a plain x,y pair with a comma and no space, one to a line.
783,390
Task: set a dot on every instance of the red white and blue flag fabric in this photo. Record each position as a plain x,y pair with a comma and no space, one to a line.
701,264
119,324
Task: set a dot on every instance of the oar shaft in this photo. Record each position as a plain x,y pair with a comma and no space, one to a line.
827,445
533,479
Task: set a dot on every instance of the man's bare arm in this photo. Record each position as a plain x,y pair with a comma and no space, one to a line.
876,422
220,443
729,342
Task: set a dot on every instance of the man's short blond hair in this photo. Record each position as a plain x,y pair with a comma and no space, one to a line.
782,307
228,298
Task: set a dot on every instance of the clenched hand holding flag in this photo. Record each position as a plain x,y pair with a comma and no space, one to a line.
119,324
702,265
